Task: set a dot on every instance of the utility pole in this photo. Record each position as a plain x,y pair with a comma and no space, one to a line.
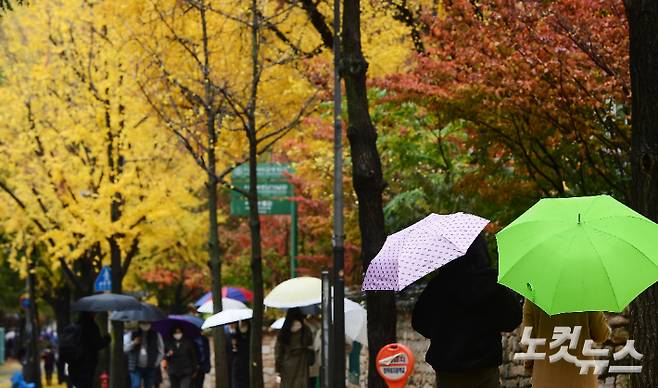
339,234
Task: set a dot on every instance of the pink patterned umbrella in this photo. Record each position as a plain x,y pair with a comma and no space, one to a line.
421,248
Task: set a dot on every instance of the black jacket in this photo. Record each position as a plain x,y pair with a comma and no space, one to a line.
463,310
240,359
91,342
183,360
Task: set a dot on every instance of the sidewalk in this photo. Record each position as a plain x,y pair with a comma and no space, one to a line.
12,366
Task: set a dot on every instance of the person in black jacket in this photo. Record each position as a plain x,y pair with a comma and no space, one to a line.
240,355
182,361
203,353
462,311
81,370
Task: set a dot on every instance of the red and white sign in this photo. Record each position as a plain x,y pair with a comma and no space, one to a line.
395,362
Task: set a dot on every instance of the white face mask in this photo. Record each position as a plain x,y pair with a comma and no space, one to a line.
178,336
145,326
296,326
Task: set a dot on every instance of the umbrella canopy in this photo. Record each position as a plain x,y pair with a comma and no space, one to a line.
227,316
106,302
579,254
238,293
278,324
296,292
146,312
190,325
227,304
421,248
356,323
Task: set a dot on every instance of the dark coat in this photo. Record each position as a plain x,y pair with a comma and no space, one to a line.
291,359
463,310
183,360
239,359
203,353
91,342
153,358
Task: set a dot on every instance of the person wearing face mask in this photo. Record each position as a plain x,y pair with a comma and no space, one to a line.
144,349
293,351
182,364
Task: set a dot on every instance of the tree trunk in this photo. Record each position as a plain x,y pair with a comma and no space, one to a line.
256,340
33,362
118,376
219,341
255,350
643,28
62,307
368,182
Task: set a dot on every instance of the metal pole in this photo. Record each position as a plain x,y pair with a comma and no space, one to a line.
339,250
326,374
293,235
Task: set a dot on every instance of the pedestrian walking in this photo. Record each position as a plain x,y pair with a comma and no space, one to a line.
465,301
240,355
144,349
203,356
293,351
563,374
79,346
182,363
315,324
48,357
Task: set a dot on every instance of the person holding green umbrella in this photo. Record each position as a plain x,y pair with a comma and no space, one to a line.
573,258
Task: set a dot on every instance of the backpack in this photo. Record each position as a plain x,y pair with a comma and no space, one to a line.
70,344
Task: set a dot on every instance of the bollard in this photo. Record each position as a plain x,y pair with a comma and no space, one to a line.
395,362
105,380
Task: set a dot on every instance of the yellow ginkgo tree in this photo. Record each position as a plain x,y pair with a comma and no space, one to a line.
88,176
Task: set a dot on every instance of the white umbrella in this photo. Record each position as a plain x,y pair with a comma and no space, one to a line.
278,324
227,316
227,304
296,292
356,323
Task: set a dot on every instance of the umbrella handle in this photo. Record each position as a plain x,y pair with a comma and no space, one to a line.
531,289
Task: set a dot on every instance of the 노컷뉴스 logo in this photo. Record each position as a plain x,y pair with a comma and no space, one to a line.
560,336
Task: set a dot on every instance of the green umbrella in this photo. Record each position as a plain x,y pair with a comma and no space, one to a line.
579,254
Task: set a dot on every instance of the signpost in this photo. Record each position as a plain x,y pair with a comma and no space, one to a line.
395,362
103,282
274,198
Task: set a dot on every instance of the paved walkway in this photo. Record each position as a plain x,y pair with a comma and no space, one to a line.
12,366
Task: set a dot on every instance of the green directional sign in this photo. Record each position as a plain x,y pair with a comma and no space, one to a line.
264,171
272,199
274,192
273,188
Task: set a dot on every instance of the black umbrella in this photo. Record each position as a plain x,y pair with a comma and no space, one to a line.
106,302
146,313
